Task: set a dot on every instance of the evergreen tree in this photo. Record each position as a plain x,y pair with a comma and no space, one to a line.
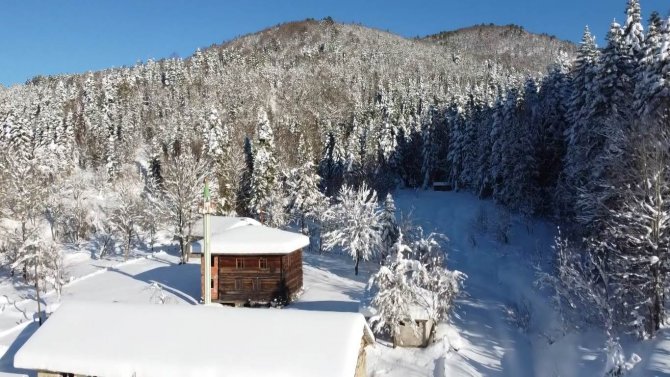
388,225
263,200
219,149
244,190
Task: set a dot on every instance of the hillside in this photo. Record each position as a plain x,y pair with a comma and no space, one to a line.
510,45
311,76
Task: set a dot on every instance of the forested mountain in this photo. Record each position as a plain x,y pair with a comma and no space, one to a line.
510,45
280,120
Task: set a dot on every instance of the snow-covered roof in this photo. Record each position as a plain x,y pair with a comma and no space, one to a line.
117,339
251,239
220,224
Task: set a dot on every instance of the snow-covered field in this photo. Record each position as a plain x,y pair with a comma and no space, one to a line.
503,325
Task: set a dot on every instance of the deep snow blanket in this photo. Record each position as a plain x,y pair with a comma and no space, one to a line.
115,339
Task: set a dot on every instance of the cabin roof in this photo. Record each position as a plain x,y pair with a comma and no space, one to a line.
222,223
120,339
238,236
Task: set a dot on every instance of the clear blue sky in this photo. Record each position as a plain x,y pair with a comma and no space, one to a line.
68,36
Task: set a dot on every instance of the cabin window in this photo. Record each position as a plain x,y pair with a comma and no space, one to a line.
212,261
263,263
238,284
239,262
211,283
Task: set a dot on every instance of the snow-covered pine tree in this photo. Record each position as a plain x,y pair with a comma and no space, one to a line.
607,122
219,149
649,72
154,174
302,188
429,149
265,201
550,146
331,167
244,189
653,85
354,223
388,226
577,134
633,31
637,232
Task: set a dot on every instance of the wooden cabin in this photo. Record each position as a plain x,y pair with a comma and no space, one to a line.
122,340
251,263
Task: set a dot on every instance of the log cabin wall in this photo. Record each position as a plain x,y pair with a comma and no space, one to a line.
260,278
249,277
292,269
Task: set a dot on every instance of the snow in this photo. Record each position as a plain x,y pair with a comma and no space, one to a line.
239,342
256,239
480,340
220,224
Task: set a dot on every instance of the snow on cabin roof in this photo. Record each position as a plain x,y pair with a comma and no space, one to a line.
117,339
221,224
256,239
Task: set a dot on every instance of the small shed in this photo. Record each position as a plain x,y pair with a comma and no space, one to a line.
251,262
122,340
419,335
442,186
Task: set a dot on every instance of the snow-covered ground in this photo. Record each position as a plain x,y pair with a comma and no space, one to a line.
503,325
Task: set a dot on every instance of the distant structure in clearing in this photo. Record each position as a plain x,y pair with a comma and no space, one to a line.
250,262
123,340
419,335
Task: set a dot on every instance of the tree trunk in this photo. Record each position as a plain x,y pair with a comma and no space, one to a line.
358,259
656,309
37,295
126,251
182,250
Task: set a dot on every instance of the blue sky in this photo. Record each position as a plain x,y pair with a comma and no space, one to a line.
69,36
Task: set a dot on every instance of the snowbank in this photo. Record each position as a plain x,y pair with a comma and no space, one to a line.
114,339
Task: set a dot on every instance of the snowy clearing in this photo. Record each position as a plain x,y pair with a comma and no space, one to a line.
503,325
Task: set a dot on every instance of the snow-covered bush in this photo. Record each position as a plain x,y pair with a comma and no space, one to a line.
394,290
413,280
579,286
616,364
158,295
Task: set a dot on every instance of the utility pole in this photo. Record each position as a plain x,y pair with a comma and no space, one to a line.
207,260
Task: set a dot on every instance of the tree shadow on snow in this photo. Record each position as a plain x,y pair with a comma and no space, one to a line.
328,306
7,360
181,280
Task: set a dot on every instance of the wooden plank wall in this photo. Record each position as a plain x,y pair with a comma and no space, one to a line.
261,278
